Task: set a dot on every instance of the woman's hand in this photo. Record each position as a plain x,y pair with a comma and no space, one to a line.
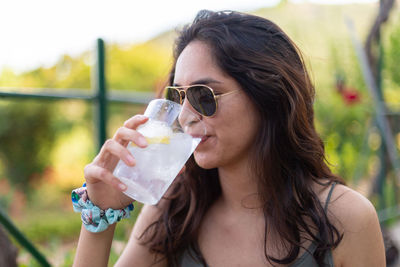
104,189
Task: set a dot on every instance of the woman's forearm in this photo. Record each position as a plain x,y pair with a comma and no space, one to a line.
94,248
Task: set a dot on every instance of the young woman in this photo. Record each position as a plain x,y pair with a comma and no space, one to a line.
257,191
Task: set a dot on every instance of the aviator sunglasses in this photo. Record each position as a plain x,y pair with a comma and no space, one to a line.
201,97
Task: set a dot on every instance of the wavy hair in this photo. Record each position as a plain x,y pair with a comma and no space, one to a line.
288,155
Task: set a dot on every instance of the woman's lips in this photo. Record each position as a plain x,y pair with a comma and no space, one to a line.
204,139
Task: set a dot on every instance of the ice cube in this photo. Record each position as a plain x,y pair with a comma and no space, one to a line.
154,128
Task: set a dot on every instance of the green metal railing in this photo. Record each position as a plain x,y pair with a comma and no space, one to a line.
100,98
13,230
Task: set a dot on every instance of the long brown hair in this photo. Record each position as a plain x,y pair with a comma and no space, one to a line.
288,155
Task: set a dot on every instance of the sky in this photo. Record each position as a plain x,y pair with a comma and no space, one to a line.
37,33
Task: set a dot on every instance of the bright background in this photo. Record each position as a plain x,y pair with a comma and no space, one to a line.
38,32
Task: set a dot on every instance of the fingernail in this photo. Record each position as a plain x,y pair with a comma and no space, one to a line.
122,186
130,159
142,141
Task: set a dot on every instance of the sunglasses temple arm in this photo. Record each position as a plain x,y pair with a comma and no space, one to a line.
218,96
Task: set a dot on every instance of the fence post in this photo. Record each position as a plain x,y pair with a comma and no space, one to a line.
101,95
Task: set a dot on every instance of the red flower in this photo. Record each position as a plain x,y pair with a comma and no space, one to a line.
350,96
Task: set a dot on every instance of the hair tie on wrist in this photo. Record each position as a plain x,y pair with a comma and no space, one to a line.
93,218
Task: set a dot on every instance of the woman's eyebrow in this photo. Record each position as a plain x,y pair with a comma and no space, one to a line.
204,81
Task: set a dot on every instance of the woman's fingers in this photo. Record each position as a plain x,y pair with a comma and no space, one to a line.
123,135
113,147
117,145
135,121
94,172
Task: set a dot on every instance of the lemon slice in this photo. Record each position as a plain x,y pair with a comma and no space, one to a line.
156,140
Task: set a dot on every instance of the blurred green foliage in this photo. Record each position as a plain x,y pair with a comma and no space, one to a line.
392,57
141,67
321,34
26,136
28,129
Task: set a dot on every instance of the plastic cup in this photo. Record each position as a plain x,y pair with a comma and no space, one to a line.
172,133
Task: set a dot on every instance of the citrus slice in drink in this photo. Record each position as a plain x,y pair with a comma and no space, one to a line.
156,140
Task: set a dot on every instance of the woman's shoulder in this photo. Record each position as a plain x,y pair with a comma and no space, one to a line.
349,207
356,218
343,201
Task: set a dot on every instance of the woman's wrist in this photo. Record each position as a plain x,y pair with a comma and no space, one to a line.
97,199
93,217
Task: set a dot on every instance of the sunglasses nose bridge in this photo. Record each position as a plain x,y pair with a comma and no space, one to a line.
182,93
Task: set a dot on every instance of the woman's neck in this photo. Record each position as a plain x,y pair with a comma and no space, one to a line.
239,188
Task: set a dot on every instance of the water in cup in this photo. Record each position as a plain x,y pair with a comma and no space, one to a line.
169,147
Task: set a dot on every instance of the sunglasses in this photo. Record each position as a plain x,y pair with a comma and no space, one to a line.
201,97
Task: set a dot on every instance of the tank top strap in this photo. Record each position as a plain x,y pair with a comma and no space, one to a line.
307,258
329,196
311,249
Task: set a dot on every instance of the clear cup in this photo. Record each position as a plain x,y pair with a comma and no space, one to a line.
172,133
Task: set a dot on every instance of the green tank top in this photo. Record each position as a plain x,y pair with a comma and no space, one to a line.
305,260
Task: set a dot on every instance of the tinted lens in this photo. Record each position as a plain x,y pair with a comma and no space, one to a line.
202,100
173,95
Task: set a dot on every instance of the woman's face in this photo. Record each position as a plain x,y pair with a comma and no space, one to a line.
232,129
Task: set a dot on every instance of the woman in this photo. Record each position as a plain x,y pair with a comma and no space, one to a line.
257,191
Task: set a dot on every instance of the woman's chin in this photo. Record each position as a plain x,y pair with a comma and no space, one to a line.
203,161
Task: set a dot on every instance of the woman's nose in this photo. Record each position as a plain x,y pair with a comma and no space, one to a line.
188,115
185,103
184,116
